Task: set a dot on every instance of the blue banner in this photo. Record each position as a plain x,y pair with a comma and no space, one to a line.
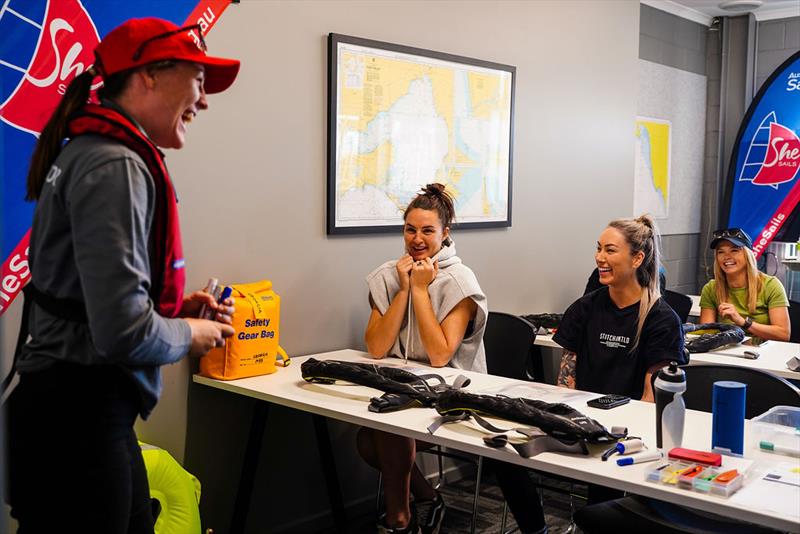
763,186
44,45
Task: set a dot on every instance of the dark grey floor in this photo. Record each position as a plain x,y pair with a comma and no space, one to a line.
458,496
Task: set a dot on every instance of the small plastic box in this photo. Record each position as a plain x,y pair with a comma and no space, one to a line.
779,426
729,488
706,482
687,476
668,473
702,482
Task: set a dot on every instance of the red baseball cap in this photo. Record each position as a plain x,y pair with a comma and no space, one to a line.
138,42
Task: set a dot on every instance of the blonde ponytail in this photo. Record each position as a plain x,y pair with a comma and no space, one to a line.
642,235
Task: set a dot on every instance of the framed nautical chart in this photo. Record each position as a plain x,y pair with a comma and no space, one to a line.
402,117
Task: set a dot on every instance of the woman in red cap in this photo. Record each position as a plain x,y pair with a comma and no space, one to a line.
105,308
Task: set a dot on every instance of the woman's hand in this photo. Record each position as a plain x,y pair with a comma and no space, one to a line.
403,267
423,272
192,304
206,335
225,310
728,310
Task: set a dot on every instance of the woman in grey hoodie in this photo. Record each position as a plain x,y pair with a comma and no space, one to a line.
426,306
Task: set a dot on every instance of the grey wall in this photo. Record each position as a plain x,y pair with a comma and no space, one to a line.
671,40
679,43
679,256
252,188
777,40
712,165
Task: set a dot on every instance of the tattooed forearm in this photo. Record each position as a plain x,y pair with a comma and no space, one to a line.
566,373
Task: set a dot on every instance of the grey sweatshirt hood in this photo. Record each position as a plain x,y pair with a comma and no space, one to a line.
453,283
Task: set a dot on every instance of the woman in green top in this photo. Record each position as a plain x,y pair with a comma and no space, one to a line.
742,295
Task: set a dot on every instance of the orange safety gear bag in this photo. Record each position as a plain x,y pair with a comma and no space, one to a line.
254,349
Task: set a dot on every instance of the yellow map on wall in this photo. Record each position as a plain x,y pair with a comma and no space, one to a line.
404,121
651,187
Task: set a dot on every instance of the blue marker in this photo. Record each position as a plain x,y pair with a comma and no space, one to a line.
226,292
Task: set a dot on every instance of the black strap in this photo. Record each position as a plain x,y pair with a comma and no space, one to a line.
67,309
533,442
21,339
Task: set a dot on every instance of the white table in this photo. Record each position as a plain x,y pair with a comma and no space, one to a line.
349,403
695,309
546,340
773,356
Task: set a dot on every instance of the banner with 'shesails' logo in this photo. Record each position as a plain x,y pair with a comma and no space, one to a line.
44,45
763,174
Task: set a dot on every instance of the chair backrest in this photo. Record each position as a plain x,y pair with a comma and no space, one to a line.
794,321
508,340
764,390
679,302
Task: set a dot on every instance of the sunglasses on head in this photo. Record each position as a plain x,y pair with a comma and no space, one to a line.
733,234
200,41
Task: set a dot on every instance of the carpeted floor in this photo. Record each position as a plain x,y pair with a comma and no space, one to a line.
458,518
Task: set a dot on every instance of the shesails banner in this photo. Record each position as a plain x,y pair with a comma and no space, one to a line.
44,45
763,175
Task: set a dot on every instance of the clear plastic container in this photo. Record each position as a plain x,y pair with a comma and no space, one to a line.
706,482
778,431
727,488
687,477
668,473
697,477
702,482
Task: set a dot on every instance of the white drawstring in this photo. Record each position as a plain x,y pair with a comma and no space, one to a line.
409,324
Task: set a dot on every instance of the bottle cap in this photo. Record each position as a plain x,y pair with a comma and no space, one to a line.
672,373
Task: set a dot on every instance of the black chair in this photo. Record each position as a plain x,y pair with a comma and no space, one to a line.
764,391
794,321
508,341
510,352
680,303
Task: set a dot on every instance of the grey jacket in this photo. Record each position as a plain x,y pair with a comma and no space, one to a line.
90,242
453,283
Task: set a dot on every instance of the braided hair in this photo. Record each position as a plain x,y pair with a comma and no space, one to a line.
436,198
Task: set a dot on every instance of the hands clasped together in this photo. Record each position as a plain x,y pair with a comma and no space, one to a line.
416,274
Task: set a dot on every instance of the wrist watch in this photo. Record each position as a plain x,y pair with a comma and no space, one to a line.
747,324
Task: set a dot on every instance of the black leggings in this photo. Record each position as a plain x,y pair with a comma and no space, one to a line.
74,462
522,496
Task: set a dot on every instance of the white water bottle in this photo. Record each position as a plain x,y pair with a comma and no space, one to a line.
670,386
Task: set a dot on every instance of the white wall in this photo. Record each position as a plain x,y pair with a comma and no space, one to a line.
252,179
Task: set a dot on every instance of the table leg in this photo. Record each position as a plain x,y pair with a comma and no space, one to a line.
329,469
249,467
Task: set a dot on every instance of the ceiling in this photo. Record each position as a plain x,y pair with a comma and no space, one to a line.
769,9
783,8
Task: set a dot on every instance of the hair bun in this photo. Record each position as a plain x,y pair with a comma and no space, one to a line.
434,189
647,220
435,196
